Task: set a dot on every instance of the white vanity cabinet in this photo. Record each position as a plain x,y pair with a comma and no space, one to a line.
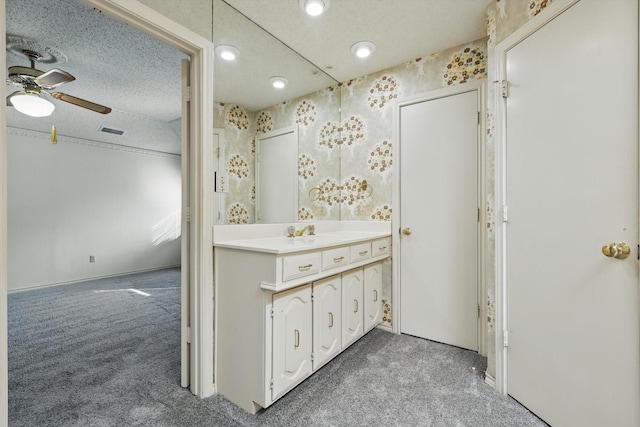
292,338
327,320
352,307
372,294
361,304
283,311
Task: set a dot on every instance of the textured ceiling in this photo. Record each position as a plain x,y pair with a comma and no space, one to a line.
245,81
139,78
275,37
114,65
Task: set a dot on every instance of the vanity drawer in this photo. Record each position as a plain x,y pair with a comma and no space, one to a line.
381,247
300,265
333,258
360,252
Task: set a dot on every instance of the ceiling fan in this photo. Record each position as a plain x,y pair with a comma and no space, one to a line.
34,82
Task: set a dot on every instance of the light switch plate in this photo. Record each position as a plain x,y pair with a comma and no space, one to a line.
221,183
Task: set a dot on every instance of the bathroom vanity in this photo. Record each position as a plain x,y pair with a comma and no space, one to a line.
286,306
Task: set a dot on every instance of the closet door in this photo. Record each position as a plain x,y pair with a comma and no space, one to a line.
572,315
439,217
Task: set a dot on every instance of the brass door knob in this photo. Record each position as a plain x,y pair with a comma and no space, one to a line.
616,250
406,231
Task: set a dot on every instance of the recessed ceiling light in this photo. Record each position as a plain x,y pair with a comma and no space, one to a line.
227,52
363,49
278,82
314,7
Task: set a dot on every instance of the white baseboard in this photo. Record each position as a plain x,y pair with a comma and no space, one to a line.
489,380
387,328
108,276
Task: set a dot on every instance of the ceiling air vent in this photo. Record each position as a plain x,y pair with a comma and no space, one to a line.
111,131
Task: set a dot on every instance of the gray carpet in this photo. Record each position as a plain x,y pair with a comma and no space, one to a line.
99,354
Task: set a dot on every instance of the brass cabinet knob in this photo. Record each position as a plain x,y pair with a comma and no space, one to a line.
616,250
406,231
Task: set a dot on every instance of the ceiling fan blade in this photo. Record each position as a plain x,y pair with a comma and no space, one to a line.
81,103
9,104
53,78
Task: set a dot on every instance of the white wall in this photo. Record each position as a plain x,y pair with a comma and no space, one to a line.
77,198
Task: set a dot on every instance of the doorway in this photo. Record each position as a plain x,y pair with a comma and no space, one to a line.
439,229
200,332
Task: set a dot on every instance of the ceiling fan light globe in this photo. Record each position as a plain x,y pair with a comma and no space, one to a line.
32,105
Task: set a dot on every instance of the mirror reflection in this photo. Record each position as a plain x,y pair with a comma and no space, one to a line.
249,107
277,176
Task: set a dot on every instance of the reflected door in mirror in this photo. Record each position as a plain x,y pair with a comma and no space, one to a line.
277,176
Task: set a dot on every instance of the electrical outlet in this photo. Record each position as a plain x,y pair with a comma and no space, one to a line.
92,258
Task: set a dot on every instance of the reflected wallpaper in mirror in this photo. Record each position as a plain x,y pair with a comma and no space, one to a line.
346,132
247,106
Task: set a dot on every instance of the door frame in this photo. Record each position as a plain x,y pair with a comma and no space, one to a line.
476,85
547,15
4,365
199,214
200,50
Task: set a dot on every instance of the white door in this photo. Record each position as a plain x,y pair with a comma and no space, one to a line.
277,176
352,317
292,340
572,187
439,218
327,315
372,294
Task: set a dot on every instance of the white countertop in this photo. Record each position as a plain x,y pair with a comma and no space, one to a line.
283,244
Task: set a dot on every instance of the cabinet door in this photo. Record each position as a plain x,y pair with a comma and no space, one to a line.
292,342
327,315
352,317
372,297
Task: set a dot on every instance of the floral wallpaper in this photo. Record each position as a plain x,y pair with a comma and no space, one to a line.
367,109
240,127
345,158
315,116
367,105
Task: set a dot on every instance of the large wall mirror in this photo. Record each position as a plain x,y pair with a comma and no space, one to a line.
249,107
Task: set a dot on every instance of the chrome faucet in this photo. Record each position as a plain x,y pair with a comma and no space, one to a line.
310,227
